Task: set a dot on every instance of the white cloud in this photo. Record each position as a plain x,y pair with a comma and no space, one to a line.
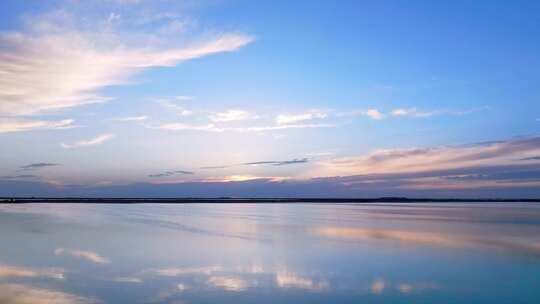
86,255
231,115
242,178
511,152
285,119
187,127
406,112
284,127
254,129
411,112
8,125
374,114
131,118
53,65
90,142
172,103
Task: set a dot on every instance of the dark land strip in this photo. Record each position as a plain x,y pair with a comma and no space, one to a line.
134,200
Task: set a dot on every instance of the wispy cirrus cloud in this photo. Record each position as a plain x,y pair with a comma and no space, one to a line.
415,113
235,178
231,115
288,119
174,104
304,120
262,163
29,167
186,127
491,165
278,163
171,173
57,61
413,184
372,113
216,122
214,167
283,127
20,176
248,129
411,112
511,152
531,158
131,118
244,178
90,142
375,114
35,166
10,124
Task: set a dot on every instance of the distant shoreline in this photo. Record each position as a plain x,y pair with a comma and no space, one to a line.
224,200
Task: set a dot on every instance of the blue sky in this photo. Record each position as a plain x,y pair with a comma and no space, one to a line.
265,98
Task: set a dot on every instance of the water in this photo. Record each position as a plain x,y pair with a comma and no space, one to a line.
270,253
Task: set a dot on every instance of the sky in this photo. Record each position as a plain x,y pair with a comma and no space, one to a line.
270,98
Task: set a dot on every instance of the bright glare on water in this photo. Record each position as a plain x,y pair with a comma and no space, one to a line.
270,253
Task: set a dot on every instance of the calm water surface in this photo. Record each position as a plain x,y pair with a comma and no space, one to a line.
270,253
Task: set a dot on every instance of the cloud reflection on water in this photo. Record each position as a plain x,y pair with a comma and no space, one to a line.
196,253
230,283
380,286
405,288
83,254
7,271
288,279
377,286
128,280
179,271
23,294
438,239
243,277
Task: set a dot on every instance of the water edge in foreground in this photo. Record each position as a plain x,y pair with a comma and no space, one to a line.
270,253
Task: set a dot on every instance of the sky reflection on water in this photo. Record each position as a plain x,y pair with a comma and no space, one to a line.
242,253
